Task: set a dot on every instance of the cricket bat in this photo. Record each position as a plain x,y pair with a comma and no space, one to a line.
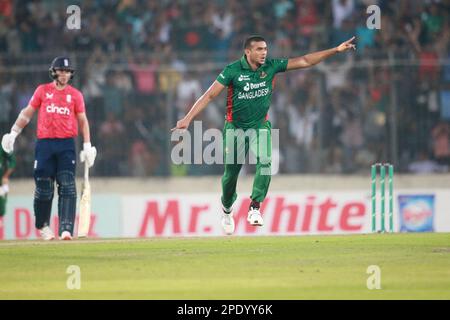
84,220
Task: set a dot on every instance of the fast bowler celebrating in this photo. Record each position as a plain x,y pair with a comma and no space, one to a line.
61,110
250,83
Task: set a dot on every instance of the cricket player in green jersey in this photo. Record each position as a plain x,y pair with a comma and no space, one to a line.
7,165
249,83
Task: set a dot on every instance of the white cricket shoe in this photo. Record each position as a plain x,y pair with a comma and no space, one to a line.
46,233
227,221
254,217
66,235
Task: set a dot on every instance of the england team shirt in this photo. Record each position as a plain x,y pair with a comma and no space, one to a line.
57,111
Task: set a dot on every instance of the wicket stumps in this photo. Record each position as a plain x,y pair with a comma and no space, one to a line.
374,170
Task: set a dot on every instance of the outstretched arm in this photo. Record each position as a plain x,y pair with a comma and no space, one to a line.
314,58
214,90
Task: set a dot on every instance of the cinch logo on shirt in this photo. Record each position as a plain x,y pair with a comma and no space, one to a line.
59,110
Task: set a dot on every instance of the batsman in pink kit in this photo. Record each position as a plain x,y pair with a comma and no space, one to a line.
61,113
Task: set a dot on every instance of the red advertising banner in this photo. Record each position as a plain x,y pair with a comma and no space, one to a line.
286,213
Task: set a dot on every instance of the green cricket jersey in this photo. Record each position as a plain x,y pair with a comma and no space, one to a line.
7,161
249,92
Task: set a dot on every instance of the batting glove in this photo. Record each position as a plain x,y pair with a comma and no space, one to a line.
88,154
8,141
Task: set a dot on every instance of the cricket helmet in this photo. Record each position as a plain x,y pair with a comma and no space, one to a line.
61,63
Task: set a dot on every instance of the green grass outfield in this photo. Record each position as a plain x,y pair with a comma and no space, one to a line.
413,266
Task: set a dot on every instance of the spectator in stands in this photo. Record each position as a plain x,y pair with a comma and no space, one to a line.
188,91
342,9
429,70
335,161
336,73
441,142
352,140
424,165
222,19
112,139
303,119
142,162
433,21
5,103
112,95
143,68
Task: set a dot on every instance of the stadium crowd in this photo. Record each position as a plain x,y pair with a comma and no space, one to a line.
142,63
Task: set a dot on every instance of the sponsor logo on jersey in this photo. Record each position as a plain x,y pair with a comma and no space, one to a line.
263,91
52,108
262,74
250,86
257,85
49,95
243,77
